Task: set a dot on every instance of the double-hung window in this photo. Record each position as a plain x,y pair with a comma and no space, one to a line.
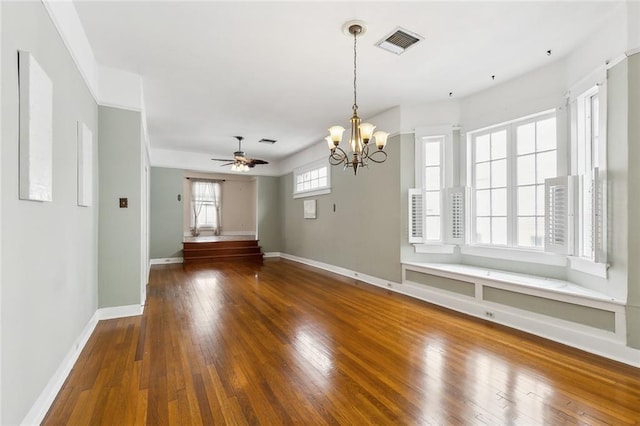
433,185
436,207
588,168
508,166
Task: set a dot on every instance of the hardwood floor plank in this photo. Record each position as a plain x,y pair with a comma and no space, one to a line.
284,343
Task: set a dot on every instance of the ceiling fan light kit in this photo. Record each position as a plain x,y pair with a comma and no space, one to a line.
361,133
240,162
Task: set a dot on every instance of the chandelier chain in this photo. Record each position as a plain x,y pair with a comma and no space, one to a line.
355,65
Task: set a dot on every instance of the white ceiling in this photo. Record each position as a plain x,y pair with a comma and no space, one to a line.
283,70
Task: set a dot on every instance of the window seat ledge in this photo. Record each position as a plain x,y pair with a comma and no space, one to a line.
527,283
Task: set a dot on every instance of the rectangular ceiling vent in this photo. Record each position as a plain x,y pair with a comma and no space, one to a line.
399,41
269,141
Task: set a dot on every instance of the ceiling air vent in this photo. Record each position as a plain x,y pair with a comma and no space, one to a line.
269,141
399,41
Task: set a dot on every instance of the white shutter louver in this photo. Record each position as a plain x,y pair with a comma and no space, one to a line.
455,232
558,213
416,215
598,237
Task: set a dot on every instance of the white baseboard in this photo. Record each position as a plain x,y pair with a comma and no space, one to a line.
575,335
342,271
48,395
41,406
119,312
166,260
272,254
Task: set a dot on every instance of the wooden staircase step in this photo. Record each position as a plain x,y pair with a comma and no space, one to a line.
215,251
253,257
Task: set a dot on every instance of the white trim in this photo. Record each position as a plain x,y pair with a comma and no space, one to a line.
270,254
119,312
434,248
122,106
588,266
312,193
561,331
512,253
66,20
632,52
342,271
48,395
166,260
42,404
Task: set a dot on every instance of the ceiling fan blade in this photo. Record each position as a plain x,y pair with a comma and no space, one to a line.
257,161
221,159
227,164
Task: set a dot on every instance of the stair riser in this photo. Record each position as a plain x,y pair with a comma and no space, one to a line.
245,258
221,252
220,244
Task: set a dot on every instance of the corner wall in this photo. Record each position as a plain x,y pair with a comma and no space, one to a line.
49,250
268,214
166,213
633,128
120,156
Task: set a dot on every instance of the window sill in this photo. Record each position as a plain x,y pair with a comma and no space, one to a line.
312,193
434,248
589,267
518,255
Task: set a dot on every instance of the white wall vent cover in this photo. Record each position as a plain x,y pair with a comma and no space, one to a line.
399,41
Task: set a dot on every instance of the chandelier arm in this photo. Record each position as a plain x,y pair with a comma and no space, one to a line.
377,153
336,158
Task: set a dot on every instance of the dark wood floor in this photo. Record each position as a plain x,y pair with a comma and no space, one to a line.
282,343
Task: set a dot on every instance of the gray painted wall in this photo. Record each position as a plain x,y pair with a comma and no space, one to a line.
268,212
633,308
363,232
120,228
49,250
166,213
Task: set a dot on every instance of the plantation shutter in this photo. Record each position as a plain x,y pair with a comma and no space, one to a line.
416,215
598,237
558,213
456,227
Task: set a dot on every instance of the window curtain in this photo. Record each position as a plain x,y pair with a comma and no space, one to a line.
205,205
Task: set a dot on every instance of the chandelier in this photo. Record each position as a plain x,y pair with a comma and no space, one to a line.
361,133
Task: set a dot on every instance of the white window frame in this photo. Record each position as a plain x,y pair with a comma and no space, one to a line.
590,173
512,186
204,213
444,136
300,171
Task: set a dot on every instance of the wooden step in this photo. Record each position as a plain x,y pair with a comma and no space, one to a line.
253,257
216,251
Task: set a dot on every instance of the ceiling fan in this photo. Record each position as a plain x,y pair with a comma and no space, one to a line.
240,162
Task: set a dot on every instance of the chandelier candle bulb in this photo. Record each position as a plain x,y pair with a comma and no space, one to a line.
381,138
336,134
330,143
366,130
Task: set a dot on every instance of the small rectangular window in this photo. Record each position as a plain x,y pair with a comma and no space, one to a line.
313,179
